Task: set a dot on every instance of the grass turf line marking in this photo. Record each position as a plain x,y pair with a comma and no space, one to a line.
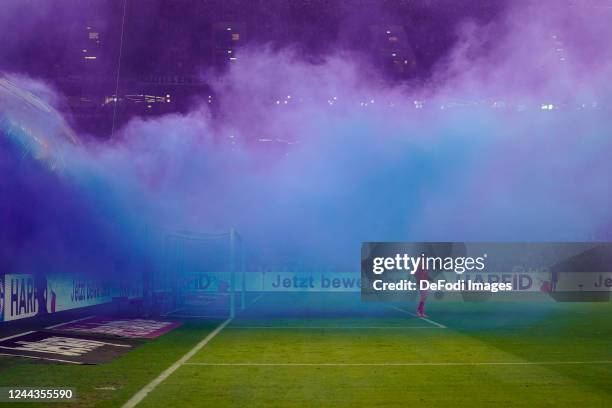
172,312
140,395
442,364
422,318
253,301
17,335
256,299
41,358
71,321
48,327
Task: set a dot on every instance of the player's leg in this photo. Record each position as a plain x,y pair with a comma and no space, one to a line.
421,308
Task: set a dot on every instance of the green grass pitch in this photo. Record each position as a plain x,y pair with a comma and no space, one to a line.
468,354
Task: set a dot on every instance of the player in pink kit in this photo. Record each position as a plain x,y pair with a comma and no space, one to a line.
420,275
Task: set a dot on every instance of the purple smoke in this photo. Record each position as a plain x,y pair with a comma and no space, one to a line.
509,140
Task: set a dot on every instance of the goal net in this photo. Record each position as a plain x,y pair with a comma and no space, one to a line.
202,275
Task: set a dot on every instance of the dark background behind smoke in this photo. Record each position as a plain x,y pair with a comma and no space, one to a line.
354,173
179,38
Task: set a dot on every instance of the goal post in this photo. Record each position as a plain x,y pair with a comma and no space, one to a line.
237,271
202,274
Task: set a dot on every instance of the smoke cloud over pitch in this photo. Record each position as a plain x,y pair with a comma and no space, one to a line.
509,141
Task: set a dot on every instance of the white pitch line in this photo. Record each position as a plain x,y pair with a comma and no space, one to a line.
71,321
140,395
441,364
41,358
333,327
173,311
256,299
48,327
422,318
17,335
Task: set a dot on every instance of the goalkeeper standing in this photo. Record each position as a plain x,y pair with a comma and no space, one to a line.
420,275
